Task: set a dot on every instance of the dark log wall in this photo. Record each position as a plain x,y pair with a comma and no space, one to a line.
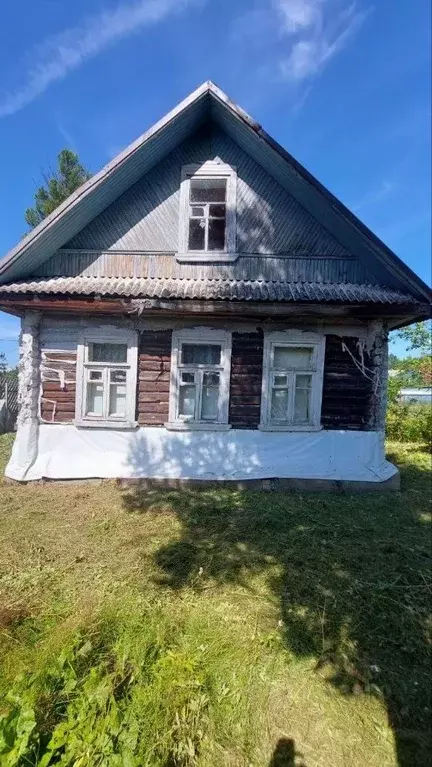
57,403
154,364
347,393
246,380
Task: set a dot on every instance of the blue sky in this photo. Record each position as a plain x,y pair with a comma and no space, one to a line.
343,85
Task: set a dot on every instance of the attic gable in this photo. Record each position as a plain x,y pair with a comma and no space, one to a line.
162,139
269,220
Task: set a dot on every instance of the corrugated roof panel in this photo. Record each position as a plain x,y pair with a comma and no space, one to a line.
242,290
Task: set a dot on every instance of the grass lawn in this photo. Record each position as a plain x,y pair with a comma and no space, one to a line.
215,628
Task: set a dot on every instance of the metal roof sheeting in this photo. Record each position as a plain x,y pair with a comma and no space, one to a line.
222,290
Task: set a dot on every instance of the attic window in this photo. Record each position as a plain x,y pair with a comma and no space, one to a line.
207,213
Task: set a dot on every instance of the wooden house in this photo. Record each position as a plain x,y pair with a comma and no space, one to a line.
204,309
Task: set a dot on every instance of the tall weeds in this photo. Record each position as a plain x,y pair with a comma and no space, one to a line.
131,688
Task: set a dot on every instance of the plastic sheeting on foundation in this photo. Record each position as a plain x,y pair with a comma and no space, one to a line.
68,452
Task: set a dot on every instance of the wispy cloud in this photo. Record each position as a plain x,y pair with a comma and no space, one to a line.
375,196
320,29
59,55
301,36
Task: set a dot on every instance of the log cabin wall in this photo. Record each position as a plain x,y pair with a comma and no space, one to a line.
347,391
246,380
154,366
58,386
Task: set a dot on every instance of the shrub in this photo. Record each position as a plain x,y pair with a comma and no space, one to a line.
410,423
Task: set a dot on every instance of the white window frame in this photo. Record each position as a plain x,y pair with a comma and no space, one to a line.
115,336
202,336
293,338
210,169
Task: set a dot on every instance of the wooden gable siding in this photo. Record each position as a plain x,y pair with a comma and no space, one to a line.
246,380
347,392
145,218
281,268
154,366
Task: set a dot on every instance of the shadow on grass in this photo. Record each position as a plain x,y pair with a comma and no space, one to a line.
351,574
285,754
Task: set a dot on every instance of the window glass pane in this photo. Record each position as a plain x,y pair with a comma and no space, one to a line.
217,211
207,189
118,376
197,211
117,401
95,375
302,406
292,357
210,397
196,234
303,382
201,354
280,380
95,399
100,352
216,234
188,377
187,396
279,405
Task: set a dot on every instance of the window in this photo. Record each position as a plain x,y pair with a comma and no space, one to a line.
292,381
200,372
207,213
106,380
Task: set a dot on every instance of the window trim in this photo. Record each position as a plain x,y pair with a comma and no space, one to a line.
209,169
112,335
202,336
293,338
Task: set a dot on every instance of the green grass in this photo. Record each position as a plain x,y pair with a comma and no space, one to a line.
215,627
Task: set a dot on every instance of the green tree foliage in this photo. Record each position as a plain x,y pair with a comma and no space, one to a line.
418,337
59,184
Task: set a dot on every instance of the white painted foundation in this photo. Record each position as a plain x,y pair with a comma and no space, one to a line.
68,452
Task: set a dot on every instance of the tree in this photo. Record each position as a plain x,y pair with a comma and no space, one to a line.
418,336
393,361
70,174
3,363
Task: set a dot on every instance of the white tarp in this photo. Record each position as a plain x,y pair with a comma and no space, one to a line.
68,452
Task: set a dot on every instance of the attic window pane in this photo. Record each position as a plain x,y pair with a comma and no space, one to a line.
196,234
216,234
207,189
217,211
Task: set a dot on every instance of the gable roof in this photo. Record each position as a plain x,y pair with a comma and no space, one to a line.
208,102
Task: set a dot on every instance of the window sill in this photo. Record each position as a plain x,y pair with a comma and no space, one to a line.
283,427
207,256
123,425
184,426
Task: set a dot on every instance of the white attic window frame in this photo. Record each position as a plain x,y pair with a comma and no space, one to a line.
200,336
208,170
315,369
84,368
